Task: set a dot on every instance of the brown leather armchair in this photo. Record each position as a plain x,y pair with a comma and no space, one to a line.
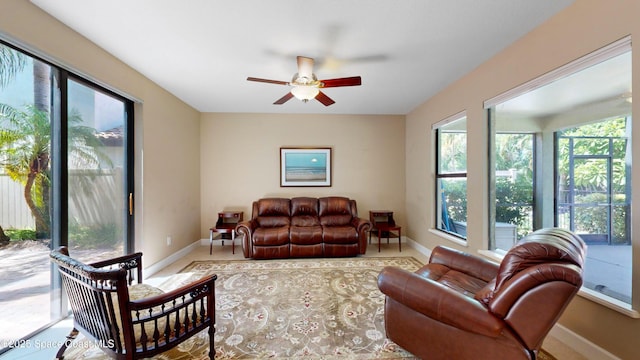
460,306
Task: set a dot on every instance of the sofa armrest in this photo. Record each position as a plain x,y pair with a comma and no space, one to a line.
438,302
245,229
361,224
466,263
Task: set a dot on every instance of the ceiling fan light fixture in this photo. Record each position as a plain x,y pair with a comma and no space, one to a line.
305,92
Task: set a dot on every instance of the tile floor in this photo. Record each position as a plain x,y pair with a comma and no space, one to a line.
40,347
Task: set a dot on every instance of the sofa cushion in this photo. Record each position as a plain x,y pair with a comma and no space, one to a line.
306,235
304,212
273,221
304,206
340,234
335,211
270,236
274,207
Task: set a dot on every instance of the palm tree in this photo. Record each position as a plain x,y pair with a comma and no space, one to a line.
25,137
11,63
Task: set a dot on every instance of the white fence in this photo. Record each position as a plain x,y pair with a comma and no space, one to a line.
93,199
14,212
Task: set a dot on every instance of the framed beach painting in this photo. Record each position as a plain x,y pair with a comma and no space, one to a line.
305,166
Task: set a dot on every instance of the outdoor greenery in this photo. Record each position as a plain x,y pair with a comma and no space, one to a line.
21,234
605,138
94,237
514,193
514,197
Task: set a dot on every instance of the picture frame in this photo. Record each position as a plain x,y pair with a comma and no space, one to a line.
305,166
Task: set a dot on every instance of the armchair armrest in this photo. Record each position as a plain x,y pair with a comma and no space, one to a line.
163,320
132,263
466,263
438,302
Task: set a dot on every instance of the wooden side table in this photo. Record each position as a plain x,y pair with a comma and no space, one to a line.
226,226
388,230
383,223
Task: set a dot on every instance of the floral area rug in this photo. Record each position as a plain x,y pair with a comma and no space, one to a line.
288,309
292,309
326,309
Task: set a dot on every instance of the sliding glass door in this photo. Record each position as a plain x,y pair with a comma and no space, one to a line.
97,173
65,180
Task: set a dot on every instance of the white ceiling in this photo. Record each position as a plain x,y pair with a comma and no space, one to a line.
202,51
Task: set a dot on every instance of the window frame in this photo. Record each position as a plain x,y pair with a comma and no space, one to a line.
605,53
436,128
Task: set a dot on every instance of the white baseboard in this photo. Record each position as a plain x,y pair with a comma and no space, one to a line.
418,247
148,271
580,345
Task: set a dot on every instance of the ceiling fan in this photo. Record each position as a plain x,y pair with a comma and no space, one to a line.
305,85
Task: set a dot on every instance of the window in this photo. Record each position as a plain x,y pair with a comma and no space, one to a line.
567,136
451,175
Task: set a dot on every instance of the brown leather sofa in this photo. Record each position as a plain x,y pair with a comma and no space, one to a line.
303,227
460,306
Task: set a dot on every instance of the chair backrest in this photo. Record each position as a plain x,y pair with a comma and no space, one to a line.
90,291
536,280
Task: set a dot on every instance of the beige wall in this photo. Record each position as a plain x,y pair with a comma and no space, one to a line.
240,160
167,156
189,165
578,30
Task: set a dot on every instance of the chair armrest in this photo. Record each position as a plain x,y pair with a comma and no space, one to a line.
438,302
464,262
129,262
172,316
196,290
125,259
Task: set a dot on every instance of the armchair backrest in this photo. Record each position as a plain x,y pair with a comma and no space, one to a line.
91,293
536,280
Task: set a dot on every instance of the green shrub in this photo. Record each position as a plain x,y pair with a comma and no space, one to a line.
21,234
94,237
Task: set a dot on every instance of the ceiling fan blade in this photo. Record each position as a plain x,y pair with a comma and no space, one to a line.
305,67
324,99
277,82
348,81
283,99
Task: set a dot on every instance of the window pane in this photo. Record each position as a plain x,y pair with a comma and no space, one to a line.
451,191
96,157
514,183
452,203
25,157
593,200
453,152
